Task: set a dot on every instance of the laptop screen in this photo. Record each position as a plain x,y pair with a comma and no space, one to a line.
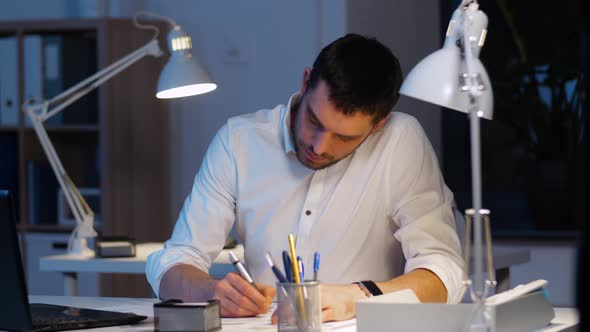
14,308
15,311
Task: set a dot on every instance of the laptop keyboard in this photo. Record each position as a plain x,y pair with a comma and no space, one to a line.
62,318
60,323
51,318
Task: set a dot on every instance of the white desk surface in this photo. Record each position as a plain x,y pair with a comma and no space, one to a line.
145,307
503,258
132,265
565,319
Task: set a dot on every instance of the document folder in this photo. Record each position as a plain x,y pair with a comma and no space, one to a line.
526,313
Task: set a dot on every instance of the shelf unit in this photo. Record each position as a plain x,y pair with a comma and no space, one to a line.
119,146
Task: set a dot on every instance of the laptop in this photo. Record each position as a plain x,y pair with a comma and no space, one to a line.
15,311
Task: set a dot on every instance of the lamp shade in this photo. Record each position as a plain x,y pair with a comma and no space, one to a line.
182,76
436,79
441,78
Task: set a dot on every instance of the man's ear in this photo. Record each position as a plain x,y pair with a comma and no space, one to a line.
380,124
306,75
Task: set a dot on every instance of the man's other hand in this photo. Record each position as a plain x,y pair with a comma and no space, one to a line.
240,299
338,302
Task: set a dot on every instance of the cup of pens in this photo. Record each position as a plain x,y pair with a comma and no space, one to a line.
299,306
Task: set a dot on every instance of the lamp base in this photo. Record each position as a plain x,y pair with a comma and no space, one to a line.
79,247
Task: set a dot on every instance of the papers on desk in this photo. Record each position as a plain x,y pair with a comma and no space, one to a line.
401,296
136,306
521,310
517,292
262,323
258,324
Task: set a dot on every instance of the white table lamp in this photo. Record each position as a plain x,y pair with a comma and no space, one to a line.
182,76
455,78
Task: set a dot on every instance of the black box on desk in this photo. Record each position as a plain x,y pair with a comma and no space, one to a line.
174,315
114,246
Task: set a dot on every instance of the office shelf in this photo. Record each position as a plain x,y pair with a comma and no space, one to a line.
114,141
8,129
70,128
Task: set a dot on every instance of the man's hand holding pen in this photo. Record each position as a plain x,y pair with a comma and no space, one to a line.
238,298
239,295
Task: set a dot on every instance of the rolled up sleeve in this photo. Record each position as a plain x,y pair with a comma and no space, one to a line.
432,244
424,214
206,217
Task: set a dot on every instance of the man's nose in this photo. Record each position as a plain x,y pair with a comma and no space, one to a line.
321,143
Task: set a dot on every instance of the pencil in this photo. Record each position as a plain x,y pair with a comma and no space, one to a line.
296,275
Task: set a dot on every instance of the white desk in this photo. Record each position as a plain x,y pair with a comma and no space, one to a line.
69,266
566,319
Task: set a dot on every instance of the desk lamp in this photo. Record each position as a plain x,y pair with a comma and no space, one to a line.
455,78
182,76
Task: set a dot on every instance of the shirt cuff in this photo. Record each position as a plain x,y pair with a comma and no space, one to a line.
159,262
450,276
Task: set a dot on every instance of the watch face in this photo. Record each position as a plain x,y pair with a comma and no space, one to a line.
364,289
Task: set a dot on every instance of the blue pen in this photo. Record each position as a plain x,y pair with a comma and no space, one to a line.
288,267
316,265
301,269
275,269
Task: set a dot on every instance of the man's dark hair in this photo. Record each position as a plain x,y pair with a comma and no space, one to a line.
363,75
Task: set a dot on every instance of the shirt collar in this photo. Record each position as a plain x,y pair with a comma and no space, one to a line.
286,124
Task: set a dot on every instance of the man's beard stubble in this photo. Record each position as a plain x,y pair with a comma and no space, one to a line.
300,145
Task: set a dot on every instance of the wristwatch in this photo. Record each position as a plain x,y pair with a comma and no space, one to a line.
369,287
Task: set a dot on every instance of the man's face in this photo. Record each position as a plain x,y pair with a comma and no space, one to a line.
323,135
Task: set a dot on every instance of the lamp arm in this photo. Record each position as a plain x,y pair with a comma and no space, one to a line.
478,288
80,209
79,90
471,39
39,113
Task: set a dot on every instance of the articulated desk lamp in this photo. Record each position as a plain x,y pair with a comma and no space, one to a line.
182,76
454,77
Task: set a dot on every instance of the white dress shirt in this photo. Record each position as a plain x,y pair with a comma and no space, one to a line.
381,212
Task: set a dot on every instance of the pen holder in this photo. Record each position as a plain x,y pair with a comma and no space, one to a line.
299,306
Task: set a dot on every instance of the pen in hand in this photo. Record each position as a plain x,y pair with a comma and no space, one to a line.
241,269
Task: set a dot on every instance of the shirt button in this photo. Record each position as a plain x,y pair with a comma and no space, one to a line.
308,212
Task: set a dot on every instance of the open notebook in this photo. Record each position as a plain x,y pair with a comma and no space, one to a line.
15,311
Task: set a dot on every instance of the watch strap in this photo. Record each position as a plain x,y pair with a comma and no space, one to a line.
371,286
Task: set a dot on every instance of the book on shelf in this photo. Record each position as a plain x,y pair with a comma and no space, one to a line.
56,62
43,188
8,81
42,68
52,82
79,62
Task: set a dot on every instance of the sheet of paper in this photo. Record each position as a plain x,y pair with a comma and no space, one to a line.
136,306
259,324
262,323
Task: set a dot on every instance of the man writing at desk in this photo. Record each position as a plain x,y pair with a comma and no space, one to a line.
351,180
